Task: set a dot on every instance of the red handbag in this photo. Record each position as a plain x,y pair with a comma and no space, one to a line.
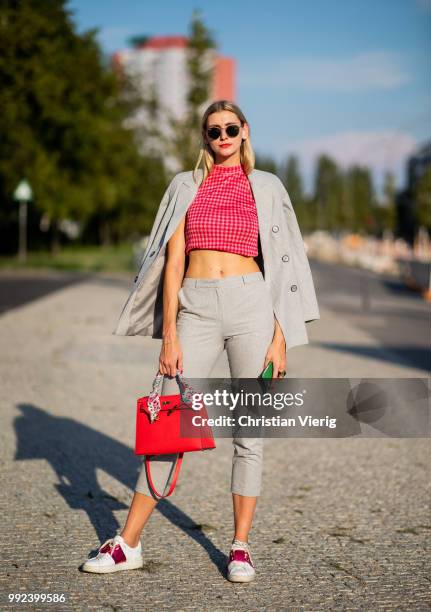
162,425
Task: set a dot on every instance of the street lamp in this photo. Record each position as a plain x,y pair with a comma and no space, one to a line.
23,194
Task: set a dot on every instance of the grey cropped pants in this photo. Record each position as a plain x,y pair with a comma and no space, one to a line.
233,313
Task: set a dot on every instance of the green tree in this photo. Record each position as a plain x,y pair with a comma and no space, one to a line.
186,136
422,196
265,162
291,178
361,199
62,124
386,213
328,195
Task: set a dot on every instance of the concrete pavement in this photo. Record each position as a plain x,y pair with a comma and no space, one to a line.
343,525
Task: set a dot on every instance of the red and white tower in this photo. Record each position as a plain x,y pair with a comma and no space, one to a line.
159,65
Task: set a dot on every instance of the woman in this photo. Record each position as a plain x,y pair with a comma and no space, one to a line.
225,269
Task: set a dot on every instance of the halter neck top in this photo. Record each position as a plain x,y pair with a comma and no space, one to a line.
223,215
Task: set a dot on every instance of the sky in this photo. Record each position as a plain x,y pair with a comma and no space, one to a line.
350,78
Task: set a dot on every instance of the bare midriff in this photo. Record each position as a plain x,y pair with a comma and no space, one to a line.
206,263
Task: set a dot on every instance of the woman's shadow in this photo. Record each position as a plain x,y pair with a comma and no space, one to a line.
75,451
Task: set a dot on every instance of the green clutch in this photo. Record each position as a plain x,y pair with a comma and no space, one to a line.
268,371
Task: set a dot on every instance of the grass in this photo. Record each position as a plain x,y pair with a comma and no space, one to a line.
84,258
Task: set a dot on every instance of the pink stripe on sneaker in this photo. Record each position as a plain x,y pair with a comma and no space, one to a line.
105,548
116,552
240,555
118,555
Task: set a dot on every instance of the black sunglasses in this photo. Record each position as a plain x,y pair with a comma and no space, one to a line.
232,131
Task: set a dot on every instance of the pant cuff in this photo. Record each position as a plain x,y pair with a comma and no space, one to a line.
245,491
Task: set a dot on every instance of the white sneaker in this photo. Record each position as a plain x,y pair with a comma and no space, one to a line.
115,555
240,565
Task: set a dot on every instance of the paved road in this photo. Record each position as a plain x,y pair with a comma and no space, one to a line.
381,305
20,287
341,524
397,318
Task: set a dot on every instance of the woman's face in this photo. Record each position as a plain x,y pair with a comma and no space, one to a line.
226,148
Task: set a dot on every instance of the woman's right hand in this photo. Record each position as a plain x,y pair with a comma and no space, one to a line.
171,357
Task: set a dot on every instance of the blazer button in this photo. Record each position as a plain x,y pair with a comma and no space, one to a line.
152,253
285,258
136,278
293,288
275,228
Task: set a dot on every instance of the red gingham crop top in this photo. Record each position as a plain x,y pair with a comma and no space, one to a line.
223,214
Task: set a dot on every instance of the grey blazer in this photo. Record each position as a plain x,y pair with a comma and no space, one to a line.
282,260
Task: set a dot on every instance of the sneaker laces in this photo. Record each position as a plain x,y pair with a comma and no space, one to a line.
244,546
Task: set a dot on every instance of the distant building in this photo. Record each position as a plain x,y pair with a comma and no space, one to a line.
416,166
158,66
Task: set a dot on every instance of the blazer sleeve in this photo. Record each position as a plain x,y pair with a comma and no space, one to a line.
300,259
167,196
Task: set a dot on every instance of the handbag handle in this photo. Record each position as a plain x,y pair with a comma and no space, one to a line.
153,403
174,480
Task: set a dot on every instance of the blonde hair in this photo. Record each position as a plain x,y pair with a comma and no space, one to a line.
206,155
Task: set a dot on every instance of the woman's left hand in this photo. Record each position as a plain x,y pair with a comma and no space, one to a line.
277,354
